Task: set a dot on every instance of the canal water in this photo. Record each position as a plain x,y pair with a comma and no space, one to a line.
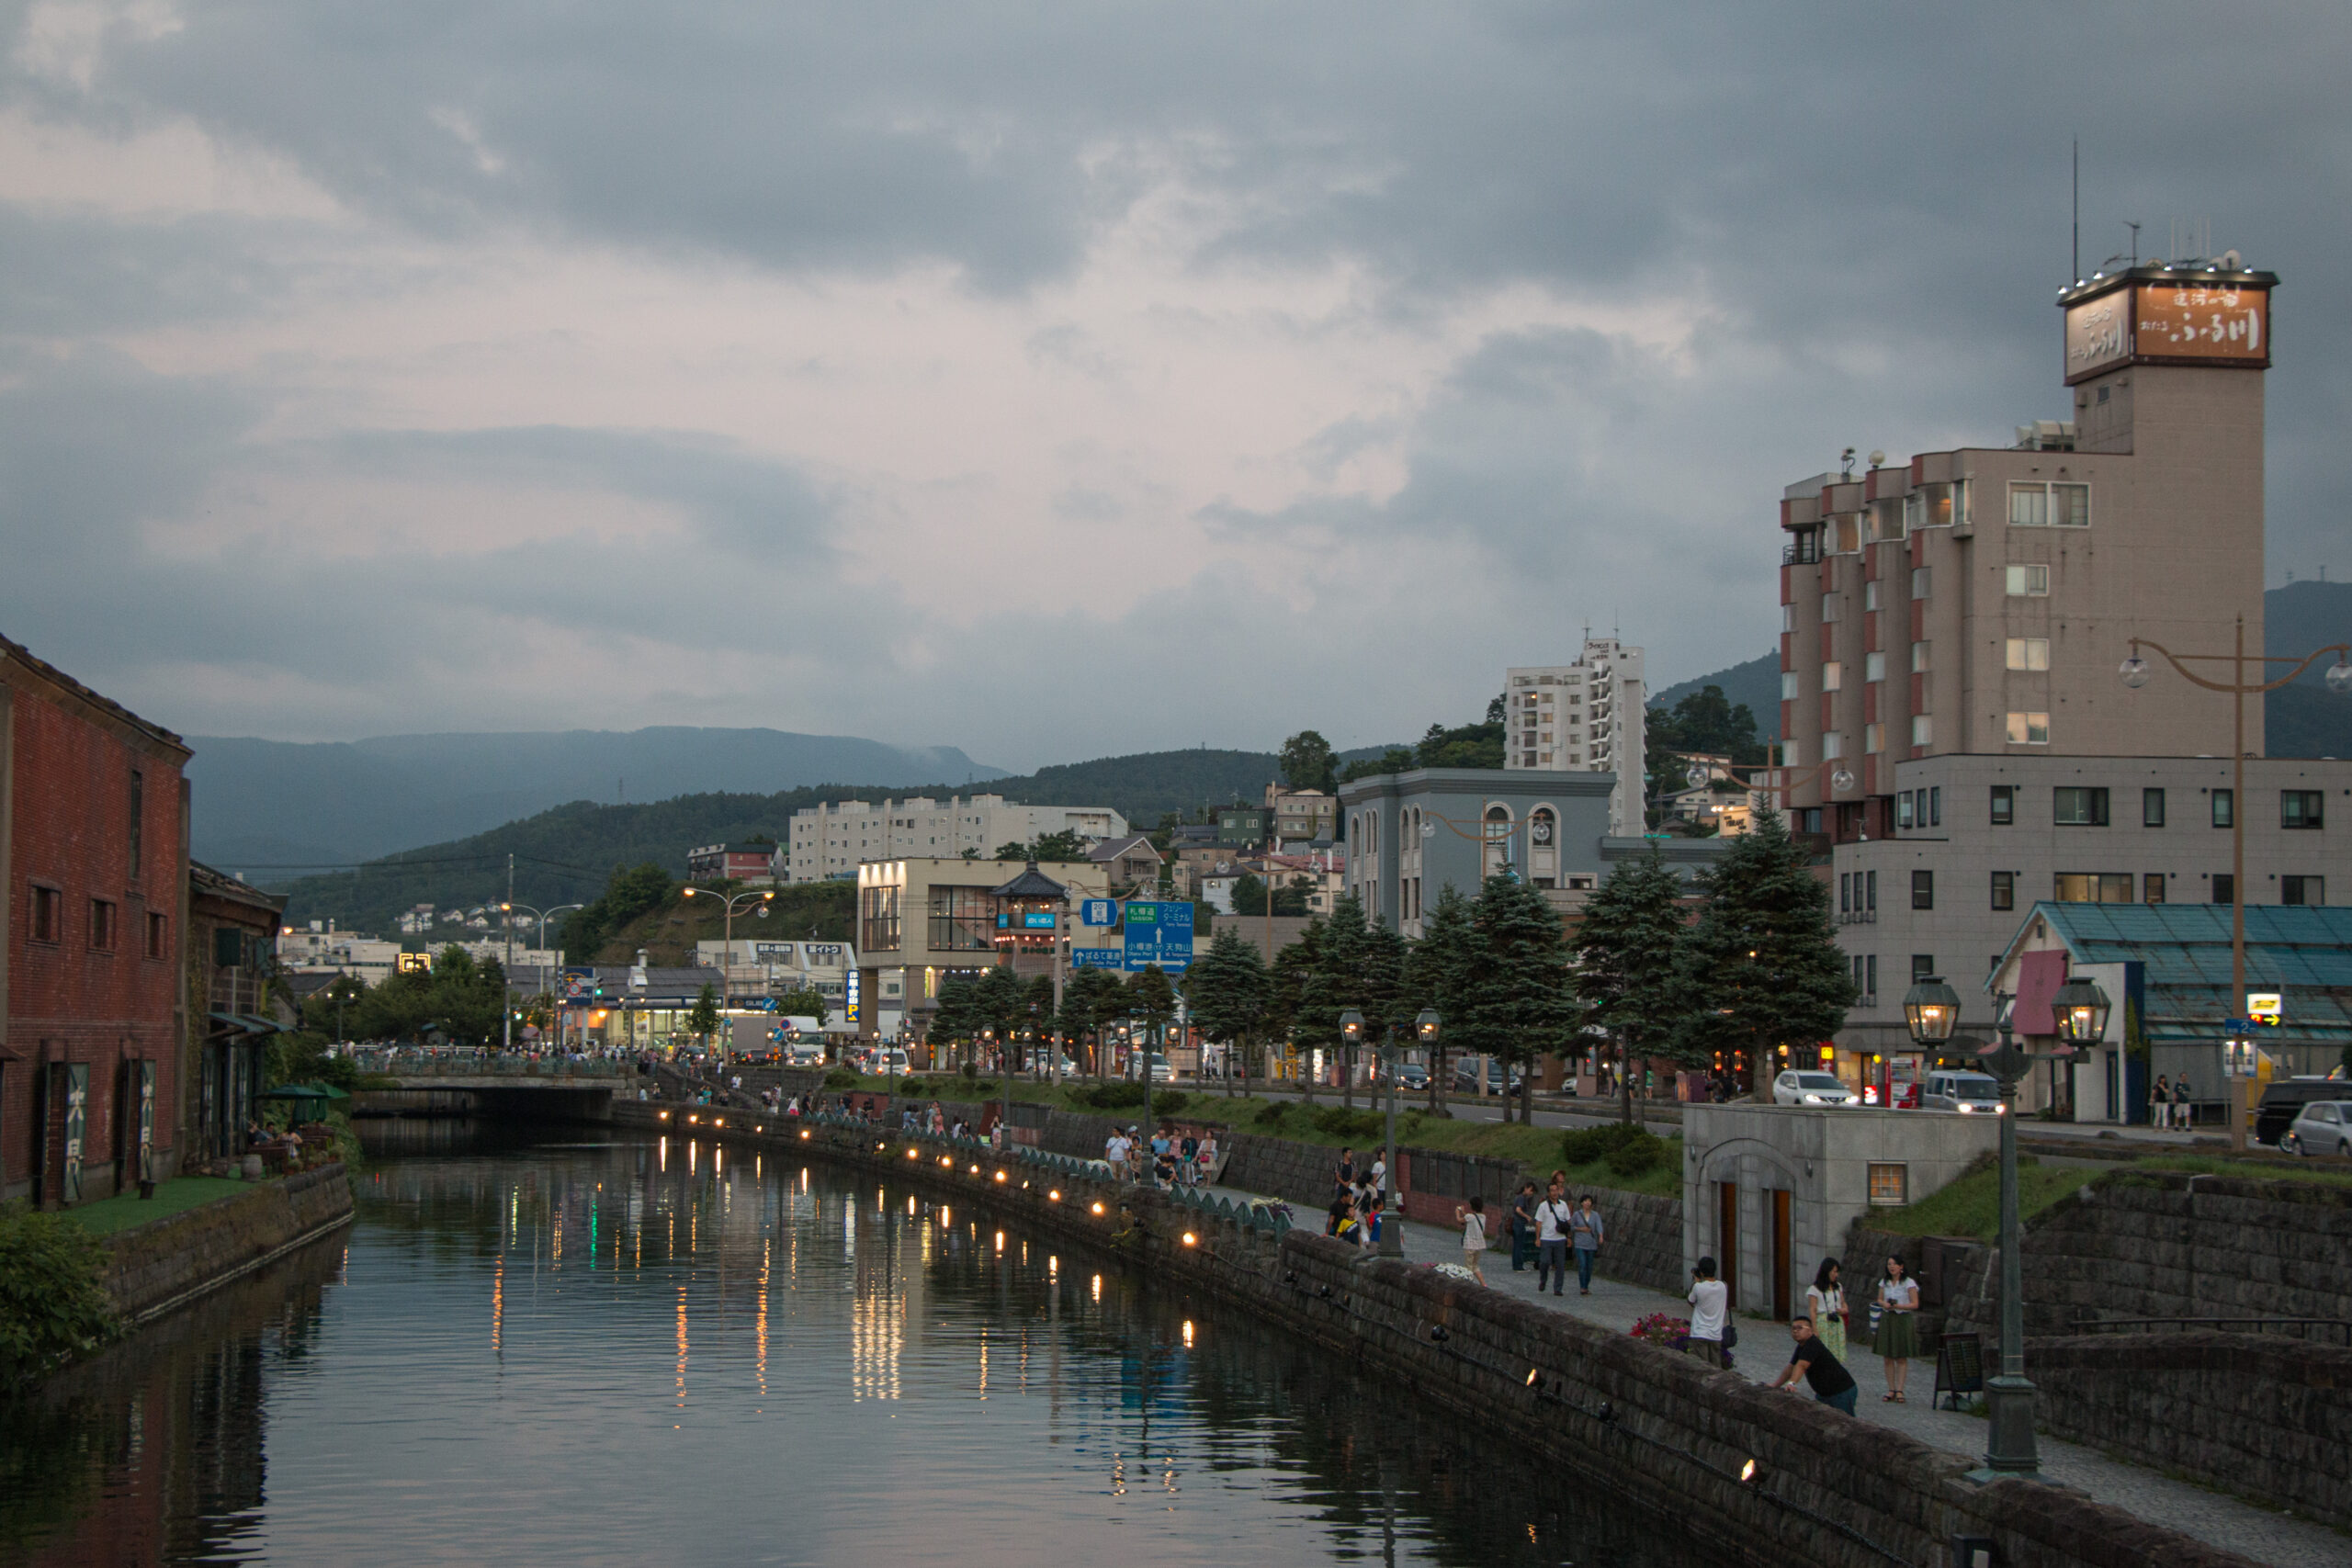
565,1350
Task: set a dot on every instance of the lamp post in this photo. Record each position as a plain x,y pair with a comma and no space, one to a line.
2134,672
510,909
726,959
1931,1010
1425,1027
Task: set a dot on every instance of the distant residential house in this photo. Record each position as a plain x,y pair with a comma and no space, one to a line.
1129,862
752,863
1302,817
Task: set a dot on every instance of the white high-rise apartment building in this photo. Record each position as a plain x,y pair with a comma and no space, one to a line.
832,839
1583,717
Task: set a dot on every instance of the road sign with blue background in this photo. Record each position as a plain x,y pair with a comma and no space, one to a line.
1098,912
1159,933
1098,958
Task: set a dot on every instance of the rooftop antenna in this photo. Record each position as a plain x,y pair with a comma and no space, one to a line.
2135,241
2076,271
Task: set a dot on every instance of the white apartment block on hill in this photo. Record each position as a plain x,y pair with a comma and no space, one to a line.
831,840
1587,717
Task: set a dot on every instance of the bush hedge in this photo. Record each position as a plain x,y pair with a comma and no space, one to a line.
53,1306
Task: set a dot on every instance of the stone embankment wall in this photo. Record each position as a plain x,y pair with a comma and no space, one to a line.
2264,1416
154,1268
1752,1477
2142,1244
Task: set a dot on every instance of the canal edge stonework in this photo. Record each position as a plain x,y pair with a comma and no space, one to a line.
152,1269
1668,1434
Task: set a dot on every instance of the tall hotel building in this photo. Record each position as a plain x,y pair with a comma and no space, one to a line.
1586,718
1950,632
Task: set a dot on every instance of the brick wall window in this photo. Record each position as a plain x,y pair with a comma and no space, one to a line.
138,820
49,914
105,919
158,935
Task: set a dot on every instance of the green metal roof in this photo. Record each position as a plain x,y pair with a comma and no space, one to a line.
2304,953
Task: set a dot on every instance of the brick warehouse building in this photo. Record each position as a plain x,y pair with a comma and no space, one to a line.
94,863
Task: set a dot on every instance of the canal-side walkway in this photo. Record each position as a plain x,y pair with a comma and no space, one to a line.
2212,1516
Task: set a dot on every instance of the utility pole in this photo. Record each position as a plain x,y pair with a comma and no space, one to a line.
506,976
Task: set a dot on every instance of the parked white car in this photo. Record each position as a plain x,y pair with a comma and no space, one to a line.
1810,1089
2322,1127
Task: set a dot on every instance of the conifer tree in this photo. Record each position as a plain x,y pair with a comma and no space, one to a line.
1521,1001
1437,976
1286,991
1227,990
1761,969
1626,961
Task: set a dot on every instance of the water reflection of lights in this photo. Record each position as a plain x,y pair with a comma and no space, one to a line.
1098,1287
1188,1334
760,1359
999,1241
498,1304
681,1346
665,1154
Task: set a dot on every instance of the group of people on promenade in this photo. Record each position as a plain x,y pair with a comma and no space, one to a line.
1169,1158
1820,1332
2170,1106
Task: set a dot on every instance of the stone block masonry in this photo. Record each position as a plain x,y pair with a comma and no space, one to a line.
2264,1416
156,1267
1747,1475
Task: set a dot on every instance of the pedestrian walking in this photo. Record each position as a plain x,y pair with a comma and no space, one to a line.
1472,1218
1188,1168
1522,1228
1586,1233
2184,1107
1825,1302
1710,1301
2160,1103
1552,1220
1832,1383
1896,1340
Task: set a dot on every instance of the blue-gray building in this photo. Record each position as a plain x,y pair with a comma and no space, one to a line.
1410,835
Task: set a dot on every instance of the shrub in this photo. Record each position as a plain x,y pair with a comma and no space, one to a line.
841,1078
53,1306
1589,1146
1339,1122
1637,1154
1270,1115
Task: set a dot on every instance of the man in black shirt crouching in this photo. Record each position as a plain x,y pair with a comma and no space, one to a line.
1832,1383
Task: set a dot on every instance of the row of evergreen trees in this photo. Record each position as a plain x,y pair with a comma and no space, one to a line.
1759,968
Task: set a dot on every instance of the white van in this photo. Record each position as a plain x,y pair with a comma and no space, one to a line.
1970,1093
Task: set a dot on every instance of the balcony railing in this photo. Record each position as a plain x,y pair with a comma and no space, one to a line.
1858,917
1804,551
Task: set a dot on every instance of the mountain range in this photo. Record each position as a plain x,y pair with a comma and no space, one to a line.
285,805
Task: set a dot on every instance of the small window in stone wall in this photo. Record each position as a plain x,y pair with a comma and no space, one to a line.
1890,1186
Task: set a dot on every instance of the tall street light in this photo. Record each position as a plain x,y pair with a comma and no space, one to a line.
2134,673
510,909
1931,1010
726,959
1425,1028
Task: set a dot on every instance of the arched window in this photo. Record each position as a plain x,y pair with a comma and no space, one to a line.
1544,847
1495,829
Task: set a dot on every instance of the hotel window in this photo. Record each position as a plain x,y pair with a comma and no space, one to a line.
2028,653
1920,581
102,925
1890,1186
1870,892
49,914
2152,809
1828,608
2224,808
1788,685
1918,659
1923,729
1923,889
2028,729
2050,506
1870,594
157,933
2005,890
2224,887
2074,807
1873,737
1922,965
2152,887
1832,747
1788,617
1936,806
2005,805
1845,892
2298,809
1873,666
2302,890
1833,676
2028,581
2094,887
1902,809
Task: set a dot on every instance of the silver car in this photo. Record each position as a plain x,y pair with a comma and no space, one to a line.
1810,1089
2324,1127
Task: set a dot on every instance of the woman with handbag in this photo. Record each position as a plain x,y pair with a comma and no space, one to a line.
1826,1301
1896,1341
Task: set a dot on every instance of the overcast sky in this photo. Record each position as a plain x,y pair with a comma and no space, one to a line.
1053,381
